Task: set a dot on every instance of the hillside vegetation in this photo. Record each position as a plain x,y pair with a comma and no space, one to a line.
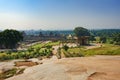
35,51
107,49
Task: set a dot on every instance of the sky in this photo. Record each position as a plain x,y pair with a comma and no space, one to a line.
59,14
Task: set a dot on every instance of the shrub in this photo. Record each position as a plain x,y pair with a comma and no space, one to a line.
8,52
48,46
4,56
65,47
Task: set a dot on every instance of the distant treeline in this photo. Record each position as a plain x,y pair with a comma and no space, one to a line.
99,32
105,32
36,32
111,36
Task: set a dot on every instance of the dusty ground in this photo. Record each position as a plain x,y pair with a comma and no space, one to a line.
81,68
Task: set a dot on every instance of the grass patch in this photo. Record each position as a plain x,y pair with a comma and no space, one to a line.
41,45
53,43
73,52
107,49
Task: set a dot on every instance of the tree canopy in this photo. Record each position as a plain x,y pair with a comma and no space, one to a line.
80,31
9,38
116,38
82,35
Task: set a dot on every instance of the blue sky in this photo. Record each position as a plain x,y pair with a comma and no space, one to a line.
59,14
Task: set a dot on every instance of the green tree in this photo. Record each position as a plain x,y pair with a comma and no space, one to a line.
10,38
65,47
103,39
92,38
1,40
116,38
82,35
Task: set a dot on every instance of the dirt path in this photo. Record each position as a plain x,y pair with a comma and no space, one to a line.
80,68
55,48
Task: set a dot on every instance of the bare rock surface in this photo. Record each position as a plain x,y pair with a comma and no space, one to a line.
7,65
79,68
